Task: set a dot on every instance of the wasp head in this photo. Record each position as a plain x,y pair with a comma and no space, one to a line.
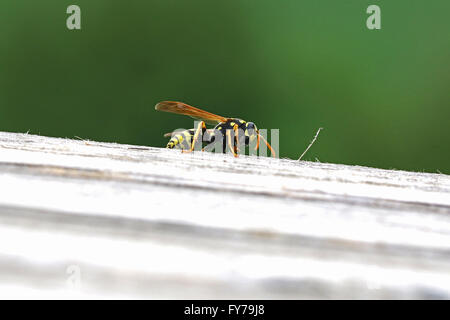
251,132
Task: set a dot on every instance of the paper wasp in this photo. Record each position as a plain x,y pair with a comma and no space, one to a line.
234,132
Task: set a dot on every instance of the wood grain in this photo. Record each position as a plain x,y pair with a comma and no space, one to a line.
141,222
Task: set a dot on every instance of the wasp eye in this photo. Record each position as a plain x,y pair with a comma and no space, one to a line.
251,126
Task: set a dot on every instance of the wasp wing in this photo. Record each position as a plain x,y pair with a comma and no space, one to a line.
185,109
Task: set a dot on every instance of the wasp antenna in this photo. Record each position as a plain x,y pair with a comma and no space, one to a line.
268,145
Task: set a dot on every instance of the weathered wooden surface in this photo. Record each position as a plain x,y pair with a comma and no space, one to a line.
139,222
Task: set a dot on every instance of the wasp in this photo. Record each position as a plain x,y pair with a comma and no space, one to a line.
232,132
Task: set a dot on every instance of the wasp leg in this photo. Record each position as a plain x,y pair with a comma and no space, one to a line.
257,143
236,135
200,126
230,143
272,152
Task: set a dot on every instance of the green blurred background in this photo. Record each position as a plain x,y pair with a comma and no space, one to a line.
382,96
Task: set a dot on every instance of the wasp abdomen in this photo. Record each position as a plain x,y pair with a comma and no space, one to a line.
183,139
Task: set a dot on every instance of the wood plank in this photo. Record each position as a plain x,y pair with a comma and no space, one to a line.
142,222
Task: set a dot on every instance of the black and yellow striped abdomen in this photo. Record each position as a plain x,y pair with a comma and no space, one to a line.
182,139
